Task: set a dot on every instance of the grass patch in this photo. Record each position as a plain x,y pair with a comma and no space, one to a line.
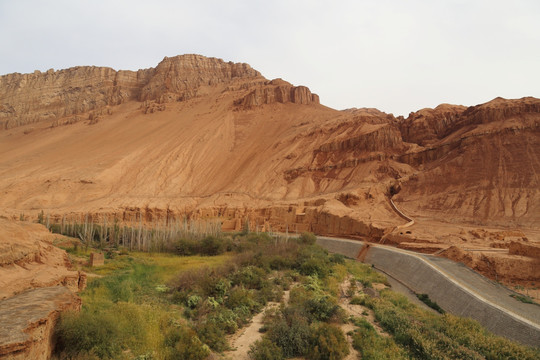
372,346
429,336
365,274
523,299
128,312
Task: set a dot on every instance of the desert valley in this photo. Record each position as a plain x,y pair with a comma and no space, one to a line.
198,140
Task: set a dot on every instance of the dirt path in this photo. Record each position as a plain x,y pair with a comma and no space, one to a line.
358,310
246,336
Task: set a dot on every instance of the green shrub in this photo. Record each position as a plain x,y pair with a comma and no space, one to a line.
250,277
212,335
374,347
291,332
186,247
242,298
265,350
269,292
307,238
328,343
193,301
314,261
225,319
212,246
316,304
89,333
322,307
185,344
214,284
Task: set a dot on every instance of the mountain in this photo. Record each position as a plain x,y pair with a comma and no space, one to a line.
204,138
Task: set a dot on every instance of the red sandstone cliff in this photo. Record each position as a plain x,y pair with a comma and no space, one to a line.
36,285
31,98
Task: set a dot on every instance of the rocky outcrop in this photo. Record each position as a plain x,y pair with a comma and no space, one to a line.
30,98
179,78
507,268
36,285
524,249
498,109
384,137
277,91
28,260
28,320
428,125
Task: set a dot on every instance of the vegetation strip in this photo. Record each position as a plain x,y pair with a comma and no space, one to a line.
166,306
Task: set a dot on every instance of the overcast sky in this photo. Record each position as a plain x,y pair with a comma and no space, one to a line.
395,55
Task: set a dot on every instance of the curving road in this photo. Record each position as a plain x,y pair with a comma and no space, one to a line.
453,286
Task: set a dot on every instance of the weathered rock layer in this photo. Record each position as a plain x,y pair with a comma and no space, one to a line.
30,98
28,260
28,320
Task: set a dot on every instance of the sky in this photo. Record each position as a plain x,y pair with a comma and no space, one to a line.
395,55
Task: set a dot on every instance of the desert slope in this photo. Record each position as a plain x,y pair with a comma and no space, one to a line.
200,137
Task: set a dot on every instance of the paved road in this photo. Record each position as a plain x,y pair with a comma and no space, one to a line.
488,289
455,287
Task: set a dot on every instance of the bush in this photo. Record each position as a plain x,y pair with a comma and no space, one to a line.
316,304
193,301
314,261
242,298
322,307
225,319
186,247
337,259
374,347
212,246
212,335
328,343
291,332
88,333
265,350
250,277
185,344
307,238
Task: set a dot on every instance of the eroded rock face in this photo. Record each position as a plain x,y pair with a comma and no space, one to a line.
28,320
277,91
29,260
180,77
428,125
36,285
31,98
